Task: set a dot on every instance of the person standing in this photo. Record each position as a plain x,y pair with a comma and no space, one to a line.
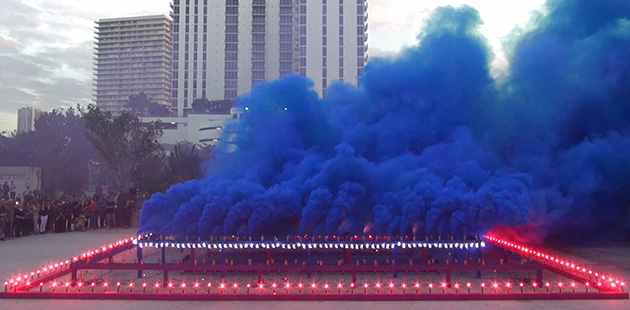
12,188
20,219
43,217
111,212
3,220
66,210
5,189
93,224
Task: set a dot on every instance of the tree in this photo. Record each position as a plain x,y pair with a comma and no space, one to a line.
184,162
203,106
143,105
57,146
122,142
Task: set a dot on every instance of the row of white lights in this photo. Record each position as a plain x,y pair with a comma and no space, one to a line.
300,245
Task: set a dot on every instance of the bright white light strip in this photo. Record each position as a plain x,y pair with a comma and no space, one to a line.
315,245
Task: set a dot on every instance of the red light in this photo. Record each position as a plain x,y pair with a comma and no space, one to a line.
144,284
130,284
404,285
170,285
235,285
67,284
209,285
313,285
443,284
300,285
365,285
468,284
183,285
287,285
117,283
560,284
326,286
80,284
483,285
391,285
223,285
456,285
430,285
378,285
157,285
92,284
260,286
418,285
339,285
274,285
196,285
54,284
495,285
105,284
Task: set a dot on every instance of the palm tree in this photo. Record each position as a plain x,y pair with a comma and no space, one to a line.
184,162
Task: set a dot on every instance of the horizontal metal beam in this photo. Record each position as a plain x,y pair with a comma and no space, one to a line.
309,297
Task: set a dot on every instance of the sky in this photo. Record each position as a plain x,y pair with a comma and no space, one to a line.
46,46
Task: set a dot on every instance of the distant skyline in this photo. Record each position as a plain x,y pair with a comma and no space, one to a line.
46,46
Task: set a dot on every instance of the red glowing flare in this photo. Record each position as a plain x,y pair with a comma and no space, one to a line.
547,284
300,285
521,284
170,285
209,285
587,284
287,285
430,285
196,284
93,284
365,285
326,286
443,284
378,285
105,284
274,285
67,284
560,284
391,285
157,285
80,284
223,285
313,285
483,285
130,284
339,285
404,285
495,285
144,284
235,285
54,284
260,286
183,285
456,285
508,284
117,283
468,284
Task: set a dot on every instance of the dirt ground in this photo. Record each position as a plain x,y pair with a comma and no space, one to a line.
26,254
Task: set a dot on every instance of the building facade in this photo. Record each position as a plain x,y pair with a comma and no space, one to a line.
132,55
221,48
26,119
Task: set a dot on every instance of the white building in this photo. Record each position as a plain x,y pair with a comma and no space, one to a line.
132,55
221,48
202,129
26,119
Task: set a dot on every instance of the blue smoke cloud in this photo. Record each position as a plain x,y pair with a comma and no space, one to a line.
430,143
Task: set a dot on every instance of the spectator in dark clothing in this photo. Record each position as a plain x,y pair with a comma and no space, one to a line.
102,211
66,210
93,207
60,222
3,220
20,221
111,213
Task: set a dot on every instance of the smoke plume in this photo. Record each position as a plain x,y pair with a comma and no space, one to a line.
431,143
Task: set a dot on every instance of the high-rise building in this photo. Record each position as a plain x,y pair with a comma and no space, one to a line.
26,119
221,48
132,55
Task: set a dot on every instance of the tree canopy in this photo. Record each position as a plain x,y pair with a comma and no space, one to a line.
122,142
143,105
204,106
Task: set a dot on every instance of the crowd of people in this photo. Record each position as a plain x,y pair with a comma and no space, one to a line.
37,213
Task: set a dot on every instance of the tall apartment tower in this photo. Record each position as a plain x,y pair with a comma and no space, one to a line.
221,48
132,55
26,119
